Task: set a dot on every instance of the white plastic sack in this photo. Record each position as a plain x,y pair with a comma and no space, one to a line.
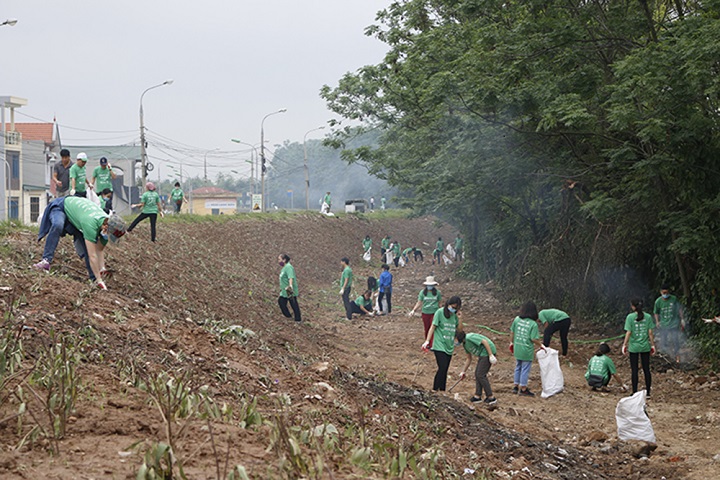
401,262
92,196
550,374
389,257
325,208
450,250
446,259
632,421
366,255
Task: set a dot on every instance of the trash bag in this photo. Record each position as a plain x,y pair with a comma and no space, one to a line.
92,196
401,262
389,257
450,250
366,255
325,208
550,373
447,260
632,421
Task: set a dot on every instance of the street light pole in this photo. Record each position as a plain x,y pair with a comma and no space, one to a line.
205,162
307,173
143,152
262,155
251,162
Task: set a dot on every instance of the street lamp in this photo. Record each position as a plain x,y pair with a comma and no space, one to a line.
251,162
307,173
143,153
9,22
262,155
205,162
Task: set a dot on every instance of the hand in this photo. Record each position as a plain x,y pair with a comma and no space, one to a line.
289,291
341,291
372,314
101,285
162,214
462,375
652,350
411,313
512,348
90,186
425,346
624,349
493,359
72,191
624,388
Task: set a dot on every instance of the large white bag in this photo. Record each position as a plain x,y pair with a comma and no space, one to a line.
92,196
366,255
447,260
450,250
632,421
550,374
389,255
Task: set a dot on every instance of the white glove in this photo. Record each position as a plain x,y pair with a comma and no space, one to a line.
462,375
101,285
91,186
72,191
493,359
411,313
624,350
425,346
341,291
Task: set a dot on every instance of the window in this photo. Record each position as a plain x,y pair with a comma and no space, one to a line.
13,207
13,158
34,209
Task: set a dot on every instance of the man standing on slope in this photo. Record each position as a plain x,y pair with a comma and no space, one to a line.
288,288
61,174
90,227
346,280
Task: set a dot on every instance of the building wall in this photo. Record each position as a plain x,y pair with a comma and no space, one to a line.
204,205
34,202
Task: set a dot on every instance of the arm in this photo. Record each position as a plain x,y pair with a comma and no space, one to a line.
138,205
657,320
467,365
55,179
538,344
417,305
486,344
94,257
112,174
625,342
160,208
430,334
460,322
651,335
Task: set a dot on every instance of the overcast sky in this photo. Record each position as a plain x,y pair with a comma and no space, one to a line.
232,61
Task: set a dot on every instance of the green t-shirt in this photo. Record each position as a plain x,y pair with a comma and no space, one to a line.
473,345
361,302
396,249
103,178
86,217
385,243
669,312
458,244
552,315
525,330
407,251
288,272
176,194
327,199
444,336
431,301
639,332
346,273
78,173
439,246
367,243
150,200
602,365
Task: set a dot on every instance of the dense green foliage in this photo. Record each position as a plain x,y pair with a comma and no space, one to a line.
574,142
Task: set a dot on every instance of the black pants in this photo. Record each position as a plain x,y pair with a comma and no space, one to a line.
645,359
178,205
108,204
283,301
396,260
346,303
481,380
564,327
388,295
355,308
382,254
443,363
418,254
140,218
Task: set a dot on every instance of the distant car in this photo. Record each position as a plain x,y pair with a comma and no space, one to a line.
356,205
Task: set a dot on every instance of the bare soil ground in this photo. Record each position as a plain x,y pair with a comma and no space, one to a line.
168,309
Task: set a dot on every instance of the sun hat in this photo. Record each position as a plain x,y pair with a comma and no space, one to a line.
430,281
116,228
82,156
150,186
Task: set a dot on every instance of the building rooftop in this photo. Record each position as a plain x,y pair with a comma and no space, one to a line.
34,131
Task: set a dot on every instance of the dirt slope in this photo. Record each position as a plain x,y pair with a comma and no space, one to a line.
168,309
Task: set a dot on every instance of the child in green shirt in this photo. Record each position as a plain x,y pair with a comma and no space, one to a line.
523,338
600,369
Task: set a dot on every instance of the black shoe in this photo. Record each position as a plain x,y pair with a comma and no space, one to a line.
526,393
490,400
515,389
475,399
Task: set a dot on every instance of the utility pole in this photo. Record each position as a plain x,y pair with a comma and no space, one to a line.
143,151
263,168
307,172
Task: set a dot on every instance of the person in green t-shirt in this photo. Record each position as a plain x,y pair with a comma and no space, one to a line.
177,196
288,288
90,227
524,338
437,253
326,204
151,205
445,324
639,342
384,245
406,254
458,248
669,321
363,304
601,368
382,203
555,320
429,299
396,253
483,348
78,181
346,280
417,253
101,180
367,243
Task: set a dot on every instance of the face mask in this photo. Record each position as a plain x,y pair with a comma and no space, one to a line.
452,310
104,235
281,263
666,295
430,288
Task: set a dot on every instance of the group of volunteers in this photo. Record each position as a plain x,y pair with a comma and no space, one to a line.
392,253
91,224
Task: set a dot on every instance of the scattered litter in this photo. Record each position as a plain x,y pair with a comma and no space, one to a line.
469,471
551,467
325,386
5,289
125,454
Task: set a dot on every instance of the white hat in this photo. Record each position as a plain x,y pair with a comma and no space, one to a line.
430,281
82,156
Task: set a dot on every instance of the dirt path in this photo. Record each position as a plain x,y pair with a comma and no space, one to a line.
684,413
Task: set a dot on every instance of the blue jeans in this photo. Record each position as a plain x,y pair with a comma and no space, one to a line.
59,226
522,372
